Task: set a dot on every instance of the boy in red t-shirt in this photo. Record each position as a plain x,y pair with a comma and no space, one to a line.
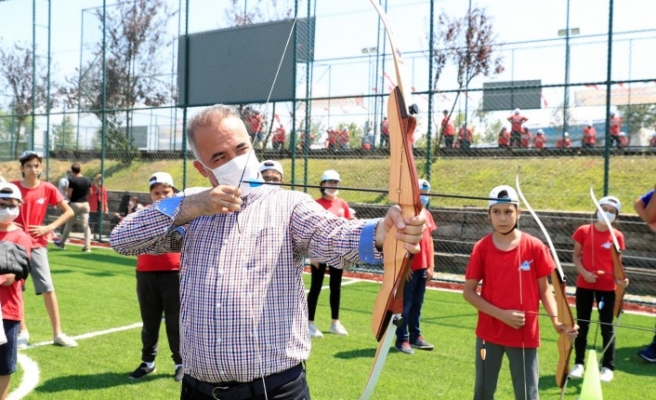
11,283
330,182
596,282
513,266
158,291
422,268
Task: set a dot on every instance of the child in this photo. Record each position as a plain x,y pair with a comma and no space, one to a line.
640,206
158,292
11,295
596,282
329,182
413,292
513,266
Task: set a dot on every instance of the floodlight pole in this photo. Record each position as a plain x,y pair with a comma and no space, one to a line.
608,84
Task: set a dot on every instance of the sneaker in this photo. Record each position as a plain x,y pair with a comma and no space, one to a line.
314,332
420,343
649,354
22,340
86,250
60,245
179,373
606,375
143,370
404,347
577,371
338,329
63,340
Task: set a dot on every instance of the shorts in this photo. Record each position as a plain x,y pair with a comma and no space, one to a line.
41,271
9,350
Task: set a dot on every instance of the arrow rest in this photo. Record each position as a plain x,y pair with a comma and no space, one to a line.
413,109
398,320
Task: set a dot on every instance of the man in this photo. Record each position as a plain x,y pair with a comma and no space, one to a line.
448,130
564,142
78,195
278,140
243,310
589,136
465,136
37,196
516,128
539,140
271,171
384,133
615,126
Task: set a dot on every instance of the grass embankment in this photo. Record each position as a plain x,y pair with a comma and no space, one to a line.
549,183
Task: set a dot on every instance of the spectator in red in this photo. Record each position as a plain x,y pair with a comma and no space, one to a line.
589,136
652,141
504,137
344,139
448,130
256,123
301,140
464,136
564,142
97,203
539,140
615,126
278,140
624,140
384,133
526,138
367,139
516,129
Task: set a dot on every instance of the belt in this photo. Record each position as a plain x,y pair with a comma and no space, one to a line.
244,390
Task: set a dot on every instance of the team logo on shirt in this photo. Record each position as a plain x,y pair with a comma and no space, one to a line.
42,200
606,245
526,265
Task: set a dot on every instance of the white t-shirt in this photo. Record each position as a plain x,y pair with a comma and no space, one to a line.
63,186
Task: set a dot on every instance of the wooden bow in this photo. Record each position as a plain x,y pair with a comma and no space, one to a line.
404,191
558,280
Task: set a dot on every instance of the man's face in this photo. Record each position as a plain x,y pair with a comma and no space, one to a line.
160,191
271,176
32,168
504,216
218,144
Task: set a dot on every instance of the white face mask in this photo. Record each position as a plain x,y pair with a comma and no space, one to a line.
231,172
331,192
610,215
8,214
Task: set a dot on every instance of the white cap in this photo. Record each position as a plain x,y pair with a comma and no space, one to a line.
517,110
28,153
424,184
622,133
271,165
611,201
161,177
463,123
540,132
330,175
566,134
10,191
503,192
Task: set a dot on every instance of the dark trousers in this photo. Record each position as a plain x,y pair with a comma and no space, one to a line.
159,293
296,389
584,302
464,144
413,298
588,146
448,141
615,141
315,290
515,139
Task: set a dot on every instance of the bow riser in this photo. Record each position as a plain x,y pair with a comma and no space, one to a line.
565,317
618,270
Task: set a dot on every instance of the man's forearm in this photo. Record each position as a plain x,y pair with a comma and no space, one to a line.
192,206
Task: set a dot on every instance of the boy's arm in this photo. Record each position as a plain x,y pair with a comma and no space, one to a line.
66,214
512,318
549,302
431,261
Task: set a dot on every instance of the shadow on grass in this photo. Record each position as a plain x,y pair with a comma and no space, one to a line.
91,382
357,353
114,259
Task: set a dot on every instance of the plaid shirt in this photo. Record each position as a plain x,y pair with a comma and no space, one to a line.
242,298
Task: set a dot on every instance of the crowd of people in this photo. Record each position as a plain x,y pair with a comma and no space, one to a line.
236,252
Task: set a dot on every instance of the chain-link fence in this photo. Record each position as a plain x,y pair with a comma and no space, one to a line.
562,93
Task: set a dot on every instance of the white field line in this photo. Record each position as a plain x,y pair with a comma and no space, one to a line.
349,282
30,377
92,334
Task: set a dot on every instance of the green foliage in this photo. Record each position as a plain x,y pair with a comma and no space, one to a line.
638,116
64,134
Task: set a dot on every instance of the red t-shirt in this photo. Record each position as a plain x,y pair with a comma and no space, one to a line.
160,262
465,134
337,207
35,205
424,259
449,129
615,125
526,139
501,272
504,138
516,122
589,135
11,297
596,256
539,141
559,143
97,195
279,136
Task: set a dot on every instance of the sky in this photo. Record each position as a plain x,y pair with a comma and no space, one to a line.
345,27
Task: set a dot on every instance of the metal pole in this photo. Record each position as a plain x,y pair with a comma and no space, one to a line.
608,84
103,129
308,105
33,73
628,110
566,99
292,137
431,44
48,94
467,70
186,98
79,84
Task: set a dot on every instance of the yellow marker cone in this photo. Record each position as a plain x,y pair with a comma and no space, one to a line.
591,389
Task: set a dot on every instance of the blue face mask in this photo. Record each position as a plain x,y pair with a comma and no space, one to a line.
424,199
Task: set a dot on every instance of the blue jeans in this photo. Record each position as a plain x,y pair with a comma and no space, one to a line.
413,298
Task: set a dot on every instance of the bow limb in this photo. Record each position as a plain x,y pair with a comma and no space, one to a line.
559,282
616,253
403,191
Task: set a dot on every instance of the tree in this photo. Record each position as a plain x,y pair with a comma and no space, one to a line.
64,134
469,43
637,116
16,72
136,39
262,11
